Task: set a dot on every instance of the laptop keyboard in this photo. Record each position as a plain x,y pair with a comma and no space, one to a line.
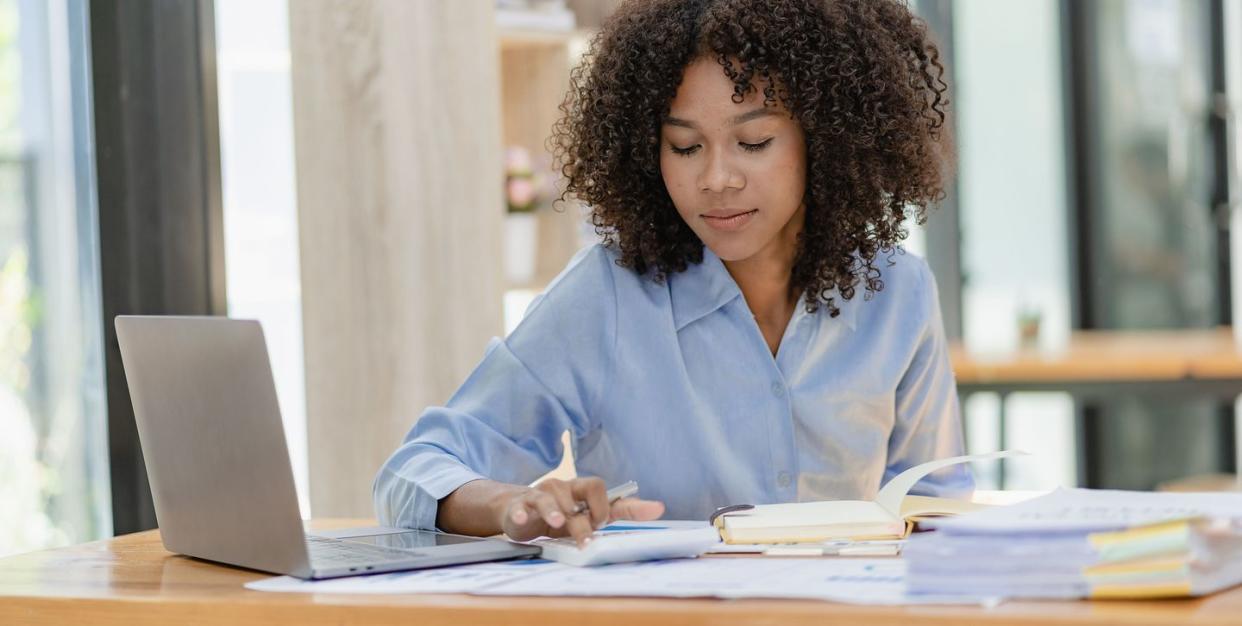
325,552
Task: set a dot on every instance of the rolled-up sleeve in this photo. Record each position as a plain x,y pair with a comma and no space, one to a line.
505,421
928,419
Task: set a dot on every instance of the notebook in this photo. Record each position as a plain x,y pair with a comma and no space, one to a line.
889,516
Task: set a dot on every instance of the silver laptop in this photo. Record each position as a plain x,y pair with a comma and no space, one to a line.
214,445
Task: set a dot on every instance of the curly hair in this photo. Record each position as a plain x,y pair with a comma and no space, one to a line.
862,77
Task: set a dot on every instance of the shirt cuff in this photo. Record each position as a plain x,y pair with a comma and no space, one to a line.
440,484
409,497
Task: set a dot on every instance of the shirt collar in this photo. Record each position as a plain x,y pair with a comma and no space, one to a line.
706,286
849,308
701,289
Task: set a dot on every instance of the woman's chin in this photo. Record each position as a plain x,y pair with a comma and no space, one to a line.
732,250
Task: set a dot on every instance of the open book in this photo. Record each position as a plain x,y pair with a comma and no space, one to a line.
889,516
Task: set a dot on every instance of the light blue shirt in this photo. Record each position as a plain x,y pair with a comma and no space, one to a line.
672,385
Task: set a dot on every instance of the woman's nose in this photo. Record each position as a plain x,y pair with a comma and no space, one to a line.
719,174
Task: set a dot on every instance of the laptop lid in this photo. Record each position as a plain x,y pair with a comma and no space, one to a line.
212,439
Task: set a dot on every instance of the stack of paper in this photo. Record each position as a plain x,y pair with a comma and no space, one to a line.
1079,543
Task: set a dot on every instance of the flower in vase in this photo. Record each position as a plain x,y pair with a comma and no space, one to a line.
520,192
524,187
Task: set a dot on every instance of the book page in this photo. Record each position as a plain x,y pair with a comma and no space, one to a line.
927,506
895,491
826,513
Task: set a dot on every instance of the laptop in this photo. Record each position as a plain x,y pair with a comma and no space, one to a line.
214,444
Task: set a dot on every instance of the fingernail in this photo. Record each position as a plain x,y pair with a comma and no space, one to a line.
519,517
556,519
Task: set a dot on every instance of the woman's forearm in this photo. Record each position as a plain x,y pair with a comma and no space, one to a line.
476,507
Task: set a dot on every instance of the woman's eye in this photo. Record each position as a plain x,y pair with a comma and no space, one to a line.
687,151
755,147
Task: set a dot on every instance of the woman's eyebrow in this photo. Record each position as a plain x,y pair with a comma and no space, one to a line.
739,119
750,115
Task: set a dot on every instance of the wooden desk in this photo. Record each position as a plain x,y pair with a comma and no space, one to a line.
1203,363
131,580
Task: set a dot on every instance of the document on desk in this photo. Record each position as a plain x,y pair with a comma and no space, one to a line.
846,580
461,579
1092,510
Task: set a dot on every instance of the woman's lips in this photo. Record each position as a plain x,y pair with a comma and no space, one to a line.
729,221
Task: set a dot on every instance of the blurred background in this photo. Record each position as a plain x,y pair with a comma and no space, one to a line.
368,178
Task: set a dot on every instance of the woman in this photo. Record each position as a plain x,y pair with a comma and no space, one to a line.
749,165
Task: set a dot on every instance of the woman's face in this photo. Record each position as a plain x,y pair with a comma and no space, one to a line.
735,172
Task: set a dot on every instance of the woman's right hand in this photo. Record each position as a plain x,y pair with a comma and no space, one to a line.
547,509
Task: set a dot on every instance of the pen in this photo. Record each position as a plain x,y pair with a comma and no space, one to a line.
623,490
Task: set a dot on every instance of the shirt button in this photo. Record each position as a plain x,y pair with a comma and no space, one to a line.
778,390
783,479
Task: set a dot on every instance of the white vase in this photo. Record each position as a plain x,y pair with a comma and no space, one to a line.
521,241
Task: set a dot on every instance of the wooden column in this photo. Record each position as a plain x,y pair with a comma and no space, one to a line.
397,125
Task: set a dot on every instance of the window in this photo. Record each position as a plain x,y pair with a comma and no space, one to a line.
1015,251
53,454
260,202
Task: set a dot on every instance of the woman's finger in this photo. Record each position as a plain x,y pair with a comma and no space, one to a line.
519,513
577,526
522,521
548,507
637,510
593,492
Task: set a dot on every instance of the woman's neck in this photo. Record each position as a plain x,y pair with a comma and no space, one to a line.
766,285
766,282
766,277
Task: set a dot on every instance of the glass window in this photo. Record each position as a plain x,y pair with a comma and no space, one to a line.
260,199
1233,84
53,453
1012,195
1152,231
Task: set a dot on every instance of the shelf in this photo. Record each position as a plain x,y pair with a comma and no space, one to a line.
524,38
520,28
514,38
